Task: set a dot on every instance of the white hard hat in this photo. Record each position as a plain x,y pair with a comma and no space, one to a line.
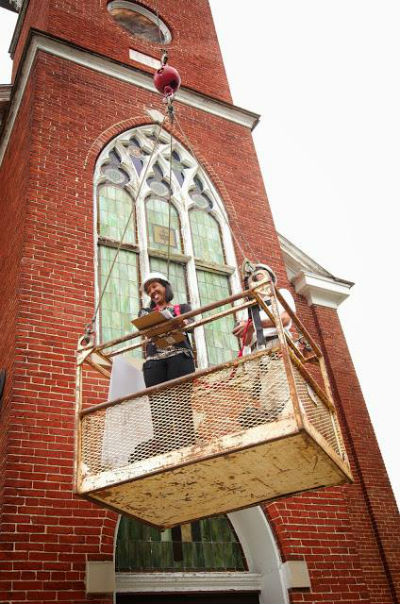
267,268
155,276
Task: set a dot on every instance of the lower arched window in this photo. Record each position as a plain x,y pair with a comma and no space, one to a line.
205,545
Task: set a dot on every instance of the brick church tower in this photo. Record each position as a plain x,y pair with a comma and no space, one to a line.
78,126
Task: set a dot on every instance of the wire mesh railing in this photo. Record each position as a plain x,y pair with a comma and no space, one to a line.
213,412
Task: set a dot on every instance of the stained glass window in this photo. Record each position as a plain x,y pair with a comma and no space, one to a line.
206,236
162,219
221,344
115,206
120,301
158,184
113,170
137,155
139,21
198,195
206,545
178,167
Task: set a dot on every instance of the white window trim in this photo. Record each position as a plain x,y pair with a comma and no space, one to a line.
186,581
140,57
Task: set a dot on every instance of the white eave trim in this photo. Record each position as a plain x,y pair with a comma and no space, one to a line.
5,92
17,4
183,582
124,73
323,291
312,280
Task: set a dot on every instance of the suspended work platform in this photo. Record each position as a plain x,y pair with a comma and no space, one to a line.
254,429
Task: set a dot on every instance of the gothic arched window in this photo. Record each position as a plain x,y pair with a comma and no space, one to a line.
154,195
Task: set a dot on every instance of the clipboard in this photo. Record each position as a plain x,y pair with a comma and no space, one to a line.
161,322
151,319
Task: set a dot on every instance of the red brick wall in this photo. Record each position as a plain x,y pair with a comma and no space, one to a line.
14,176
194,49
373,510
350,535
316,527
347,535
48,531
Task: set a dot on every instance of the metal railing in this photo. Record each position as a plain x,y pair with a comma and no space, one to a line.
207,412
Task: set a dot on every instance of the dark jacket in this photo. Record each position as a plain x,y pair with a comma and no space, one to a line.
151,349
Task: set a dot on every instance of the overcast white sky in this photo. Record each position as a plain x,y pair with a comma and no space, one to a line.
323,74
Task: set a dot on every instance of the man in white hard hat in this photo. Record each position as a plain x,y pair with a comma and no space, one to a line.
247,329
270,395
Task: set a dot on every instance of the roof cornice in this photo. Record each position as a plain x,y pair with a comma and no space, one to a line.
23,6
12,5
5,95
321,290
5,92
311,280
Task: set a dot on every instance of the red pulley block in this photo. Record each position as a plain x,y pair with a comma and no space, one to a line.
167,80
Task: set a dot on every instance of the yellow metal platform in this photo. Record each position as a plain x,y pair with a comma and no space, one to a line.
229,437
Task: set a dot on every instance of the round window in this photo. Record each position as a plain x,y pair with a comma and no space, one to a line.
139,21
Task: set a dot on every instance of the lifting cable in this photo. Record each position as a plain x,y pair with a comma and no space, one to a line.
189,145
89,327
167,81
168,88
169,197
168,98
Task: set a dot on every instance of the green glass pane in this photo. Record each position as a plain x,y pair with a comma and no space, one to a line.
205,530
115,207
161,215
120,302
144,556
214,546
176,277
156,555
200,559
222,346
123,553
167,555
206,237
219,555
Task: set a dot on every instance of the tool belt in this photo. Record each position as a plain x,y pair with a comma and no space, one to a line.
266,340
